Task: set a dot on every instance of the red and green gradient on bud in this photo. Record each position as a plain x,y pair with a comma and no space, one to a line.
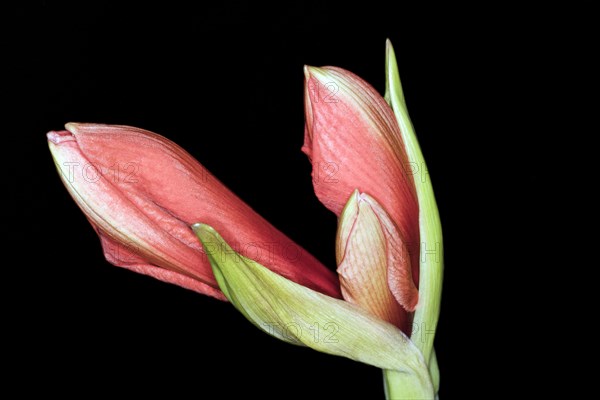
373,262
141,193
387,217
355,129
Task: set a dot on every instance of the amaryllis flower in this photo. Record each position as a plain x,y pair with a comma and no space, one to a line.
146,198
142,192
356,148
364,153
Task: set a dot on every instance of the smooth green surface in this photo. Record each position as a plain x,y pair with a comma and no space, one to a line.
302,316
434,371
399,386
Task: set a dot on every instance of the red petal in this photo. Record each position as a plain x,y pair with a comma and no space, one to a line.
152,191
118,254
354,142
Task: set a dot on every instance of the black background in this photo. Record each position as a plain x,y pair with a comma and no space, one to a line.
226,83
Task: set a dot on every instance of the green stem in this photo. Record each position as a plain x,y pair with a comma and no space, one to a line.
404,386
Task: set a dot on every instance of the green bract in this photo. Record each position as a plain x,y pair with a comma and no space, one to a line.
291,312
431,260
